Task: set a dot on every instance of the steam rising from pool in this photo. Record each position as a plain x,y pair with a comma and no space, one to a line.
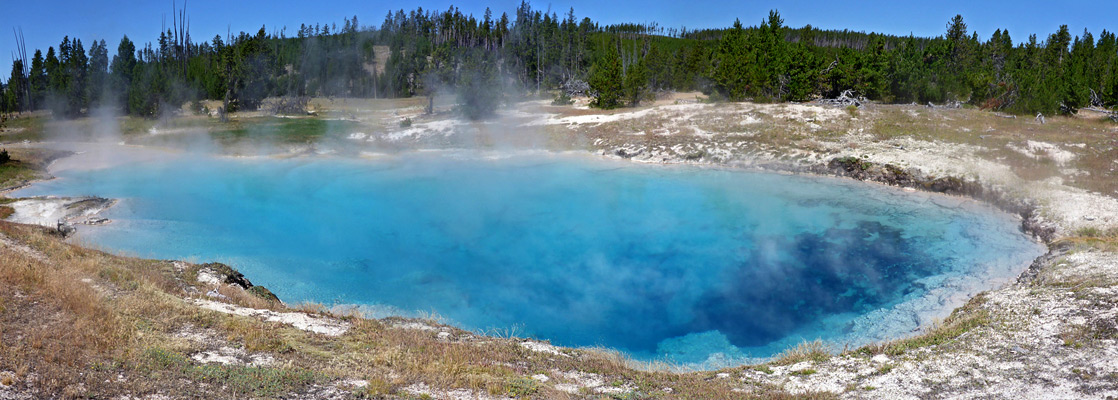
701,267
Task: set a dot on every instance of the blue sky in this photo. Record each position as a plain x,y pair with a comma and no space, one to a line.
45,22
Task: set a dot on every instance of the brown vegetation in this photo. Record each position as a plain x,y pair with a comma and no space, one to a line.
119,322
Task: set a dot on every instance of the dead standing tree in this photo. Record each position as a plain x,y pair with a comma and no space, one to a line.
21,54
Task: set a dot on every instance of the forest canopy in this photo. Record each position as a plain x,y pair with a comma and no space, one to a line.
419,52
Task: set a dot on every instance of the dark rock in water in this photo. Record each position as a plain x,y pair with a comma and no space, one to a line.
231,276
1045,231
862,169
626,154
1055,252
90,203
956,186
853,167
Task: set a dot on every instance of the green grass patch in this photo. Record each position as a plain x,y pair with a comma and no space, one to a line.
521,387
284,130
238,381
23,128
14,173
762,368
960,321
885,369
1089,231
804,372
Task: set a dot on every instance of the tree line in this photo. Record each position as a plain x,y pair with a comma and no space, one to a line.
483,60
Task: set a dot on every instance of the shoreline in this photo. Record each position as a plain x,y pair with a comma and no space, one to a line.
835,169
1053,324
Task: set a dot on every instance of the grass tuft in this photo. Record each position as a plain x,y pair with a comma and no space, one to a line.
814,351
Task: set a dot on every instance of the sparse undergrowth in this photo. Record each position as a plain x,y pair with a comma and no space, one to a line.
815,351
122,321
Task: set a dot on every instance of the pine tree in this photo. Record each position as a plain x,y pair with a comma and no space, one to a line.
54,72
77,88
802,74
636,83
772,57
122,68
606,79
479,89
38,80
659,69
98,72
731,70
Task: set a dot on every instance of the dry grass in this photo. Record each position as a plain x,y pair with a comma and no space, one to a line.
117,320
1092,138
814,351
110,317
53,323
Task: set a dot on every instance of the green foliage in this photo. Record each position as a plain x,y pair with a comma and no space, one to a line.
4,156
732,70
247,68
263,292
123,66
802,74
479,89
417,52
521,387
234,380
562,99
606,80
635,86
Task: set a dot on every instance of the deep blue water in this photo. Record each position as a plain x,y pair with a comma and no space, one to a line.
685,264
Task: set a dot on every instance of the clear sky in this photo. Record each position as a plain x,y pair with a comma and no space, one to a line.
45,22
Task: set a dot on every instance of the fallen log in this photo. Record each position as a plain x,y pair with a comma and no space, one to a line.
845,99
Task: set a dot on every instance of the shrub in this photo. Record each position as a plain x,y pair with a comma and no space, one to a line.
563,99
479,92
4,156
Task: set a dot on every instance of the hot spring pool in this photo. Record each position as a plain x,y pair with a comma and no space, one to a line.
696,266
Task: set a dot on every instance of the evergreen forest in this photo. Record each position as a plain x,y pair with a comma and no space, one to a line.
493,59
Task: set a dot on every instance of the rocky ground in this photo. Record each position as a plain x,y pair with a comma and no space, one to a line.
1051,334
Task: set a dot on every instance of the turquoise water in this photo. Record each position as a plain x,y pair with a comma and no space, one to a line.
703,267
